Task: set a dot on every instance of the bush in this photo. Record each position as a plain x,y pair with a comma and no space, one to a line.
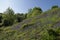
19,19
0,18
7,22
53,34
53,7
34,12
8,18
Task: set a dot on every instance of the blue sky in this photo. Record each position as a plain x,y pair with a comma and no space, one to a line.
22,6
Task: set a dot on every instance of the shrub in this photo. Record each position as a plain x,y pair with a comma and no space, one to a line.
0,18
7,22
53,7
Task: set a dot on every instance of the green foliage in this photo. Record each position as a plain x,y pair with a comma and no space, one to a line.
7,22
45,26
20,17
26,26
0,18
34,12
8,17
53,7
29,13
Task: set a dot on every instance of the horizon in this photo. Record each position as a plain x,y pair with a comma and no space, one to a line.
22,6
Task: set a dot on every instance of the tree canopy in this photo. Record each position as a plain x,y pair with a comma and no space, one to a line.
35,11
55,6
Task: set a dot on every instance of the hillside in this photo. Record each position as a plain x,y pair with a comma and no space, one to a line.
45,26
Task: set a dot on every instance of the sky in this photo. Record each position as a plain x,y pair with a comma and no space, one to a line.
22,6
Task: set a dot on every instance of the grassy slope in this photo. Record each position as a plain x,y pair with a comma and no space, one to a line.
35,28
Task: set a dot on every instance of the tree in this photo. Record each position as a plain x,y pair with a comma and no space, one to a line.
8,17
34,12
25,15
0,17
29,13
55,6
20,17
